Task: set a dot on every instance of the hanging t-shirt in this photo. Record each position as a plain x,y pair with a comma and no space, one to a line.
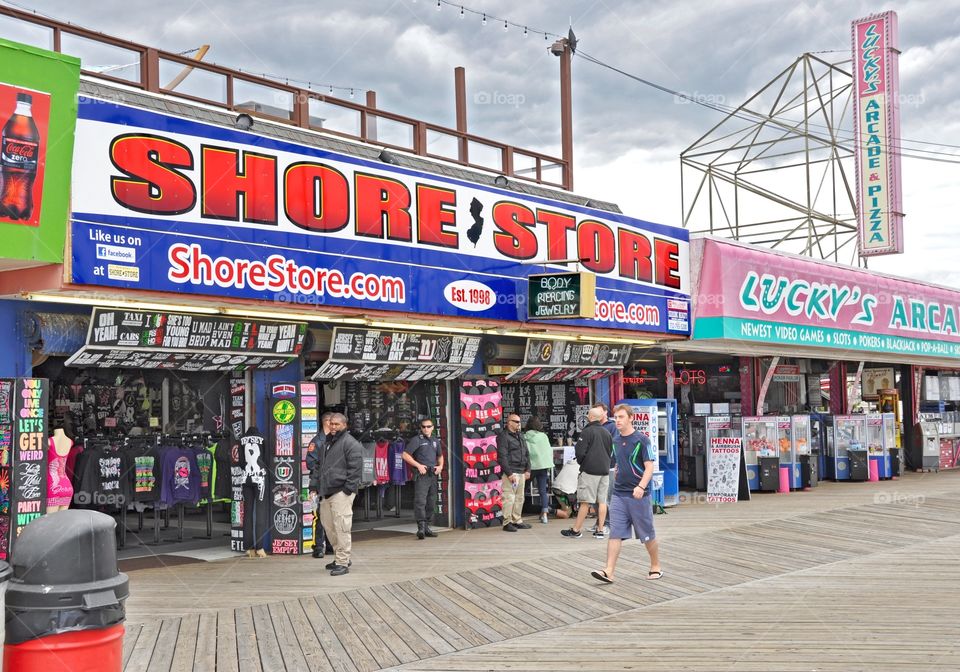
368,472
180,480
398,468
146,472
381,463
102,479
205,467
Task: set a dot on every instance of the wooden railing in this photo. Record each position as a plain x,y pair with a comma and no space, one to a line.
123,62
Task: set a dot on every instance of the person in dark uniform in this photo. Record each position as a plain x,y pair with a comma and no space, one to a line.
424,454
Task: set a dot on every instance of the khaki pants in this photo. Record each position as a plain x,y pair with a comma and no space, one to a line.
336,516
513,500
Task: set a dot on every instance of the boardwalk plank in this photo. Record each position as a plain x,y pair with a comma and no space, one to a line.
139,659
228,656
380,623
288,638
406,614
338,656
130,636
377,647
354,646
205,659
186,644
314,657
266,637
454,637
166,643
248,654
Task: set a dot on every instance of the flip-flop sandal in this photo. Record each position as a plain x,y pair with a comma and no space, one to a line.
653,576
601,575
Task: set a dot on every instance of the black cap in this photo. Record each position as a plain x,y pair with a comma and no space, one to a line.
24,98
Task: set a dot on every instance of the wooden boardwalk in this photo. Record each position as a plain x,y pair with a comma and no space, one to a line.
861,581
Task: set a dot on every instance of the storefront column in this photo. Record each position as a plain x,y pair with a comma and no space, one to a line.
16,360
838,389
747,365
262,382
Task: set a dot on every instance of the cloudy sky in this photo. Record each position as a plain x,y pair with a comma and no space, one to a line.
627,136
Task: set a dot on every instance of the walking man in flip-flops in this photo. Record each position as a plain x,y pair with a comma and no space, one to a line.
631,507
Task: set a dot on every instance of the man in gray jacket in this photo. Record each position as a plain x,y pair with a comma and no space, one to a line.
335,479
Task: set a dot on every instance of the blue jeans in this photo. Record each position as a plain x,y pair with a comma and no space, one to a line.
541,476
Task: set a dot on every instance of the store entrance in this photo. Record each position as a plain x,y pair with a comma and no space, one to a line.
150,447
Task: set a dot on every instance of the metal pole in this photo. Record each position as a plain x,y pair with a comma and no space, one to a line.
460,97
372,119
566,114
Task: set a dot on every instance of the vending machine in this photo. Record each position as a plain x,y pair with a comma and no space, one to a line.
806,472
930,453
294,422
760,451
701,430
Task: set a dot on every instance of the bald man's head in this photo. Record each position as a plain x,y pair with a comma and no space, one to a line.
595,414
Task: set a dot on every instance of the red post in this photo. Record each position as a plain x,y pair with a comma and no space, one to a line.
566,113
460,97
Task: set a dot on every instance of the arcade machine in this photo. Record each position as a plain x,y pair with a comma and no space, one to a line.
930,453
806,472
760,452
879,465
701,430
849,448
889,403
667,447
821,425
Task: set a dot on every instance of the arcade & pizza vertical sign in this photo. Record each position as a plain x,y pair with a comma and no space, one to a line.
876,117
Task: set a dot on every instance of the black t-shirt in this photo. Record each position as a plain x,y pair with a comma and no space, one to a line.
425,451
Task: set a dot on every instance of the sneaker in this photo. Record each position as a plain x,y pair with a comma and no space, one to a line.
334,565
598,534
570,532
522,526
509,527
543,518
339,570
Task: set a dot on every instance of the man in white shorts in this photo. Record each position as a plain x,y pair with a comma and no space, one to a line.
593,455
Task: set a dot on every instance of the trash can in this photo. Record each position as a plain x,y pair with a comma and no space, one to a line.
65,601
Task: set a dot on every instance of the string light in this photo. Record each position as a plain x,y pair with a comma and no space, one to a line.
464,9
351,94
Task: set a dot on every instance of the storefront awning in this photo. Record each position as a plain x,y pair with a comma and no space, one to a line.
55,334
120,338
547,361
374,354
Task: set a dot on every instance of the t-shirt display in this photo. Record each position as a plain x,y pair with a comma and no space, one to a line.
561,407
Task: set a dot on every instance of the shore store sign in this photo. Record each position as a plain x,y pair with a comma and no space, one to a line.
170,204
748,294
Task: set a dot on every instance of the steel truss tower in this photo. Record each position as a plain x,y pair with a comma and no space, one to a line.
779,170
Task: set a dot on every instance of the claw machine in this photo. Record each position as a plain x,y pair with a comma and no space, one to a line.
806,472
879,460
760,452
701,430
847,449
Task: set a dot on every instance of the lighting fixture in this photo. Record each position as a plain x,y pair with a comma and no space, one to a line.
297,317
484,22
625,340
422,327
93,301
504,26
388,157
501,180
243,121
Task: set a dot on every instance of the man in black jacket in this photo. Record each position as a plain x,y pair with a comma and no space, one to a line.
336,479
514,459
593,455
